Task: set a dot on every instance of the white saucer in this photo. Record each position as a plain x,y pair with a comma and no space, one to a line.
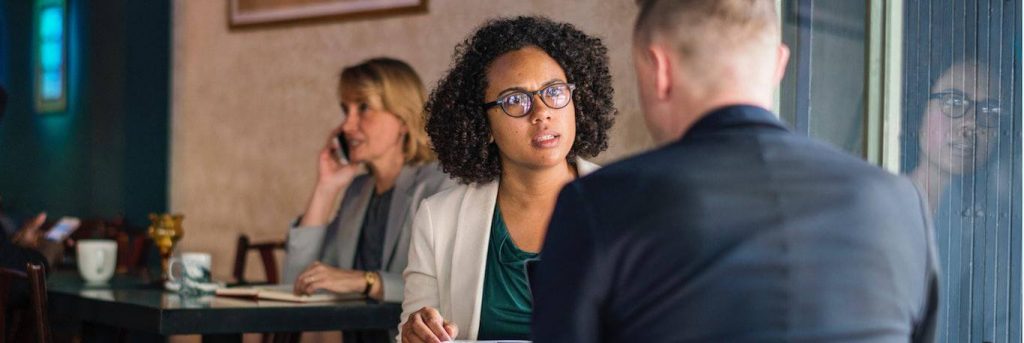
208,287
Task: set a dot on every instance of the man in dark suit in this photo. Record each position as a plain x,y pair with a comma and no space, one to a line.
735,229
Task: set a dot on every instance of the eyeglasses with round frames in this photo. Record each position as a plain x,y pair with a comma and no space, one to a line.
955,105
519,103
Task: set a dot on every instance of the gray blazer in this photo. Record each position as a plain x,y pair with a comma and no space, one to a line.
335,244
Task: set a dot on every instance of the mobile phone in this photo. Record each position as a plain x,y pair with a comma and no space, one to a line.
63,229
341,154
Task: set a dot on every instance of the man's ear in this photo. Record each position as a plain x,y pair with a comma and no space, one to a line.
663,69
781,59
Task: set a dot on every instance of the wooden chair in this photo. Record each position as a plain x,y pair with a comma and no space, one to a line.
36,314
132,250
266,251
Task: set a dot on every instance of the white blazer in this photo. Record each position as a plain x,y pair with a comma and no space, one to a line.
450,233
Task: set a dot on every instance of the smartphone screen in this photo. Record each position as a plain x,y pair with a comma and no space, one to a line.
342,153
63,229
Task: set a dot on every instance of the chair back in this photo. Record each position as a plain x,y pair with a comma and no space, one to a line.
266,251
133,248
35,277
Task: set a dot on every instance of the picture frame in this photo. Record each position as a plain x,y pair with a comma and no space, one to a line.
254,12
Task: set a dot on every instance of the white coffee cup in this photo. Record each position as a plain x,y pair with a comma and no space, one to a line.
96,259
189,270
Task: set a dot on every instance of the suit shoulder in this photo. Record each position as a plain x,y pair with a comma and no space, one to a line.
637,167
429,170
447,198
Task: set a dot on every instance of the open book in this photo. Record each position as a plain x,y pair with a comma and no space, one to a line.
284,293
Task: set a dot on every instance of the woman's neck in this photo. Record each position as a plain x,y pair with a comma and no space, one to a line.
932,180
527,187
385,170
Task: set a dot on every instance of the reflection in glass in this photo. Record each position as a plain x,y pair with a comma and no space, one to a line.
960,143
822,93
951,139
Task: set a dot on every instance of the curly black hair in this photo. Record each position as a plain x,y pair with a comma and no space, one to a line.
457,123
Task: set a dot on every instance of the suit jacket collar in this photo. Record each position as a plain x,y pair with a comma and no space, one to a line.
733,116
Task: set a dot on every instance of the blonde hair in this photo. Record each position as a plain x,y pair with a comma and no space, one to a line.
401,93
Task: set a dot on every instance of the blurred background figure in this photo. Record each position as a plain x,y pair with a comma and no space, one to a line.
960,141
362,247
24,243
958,130
957,149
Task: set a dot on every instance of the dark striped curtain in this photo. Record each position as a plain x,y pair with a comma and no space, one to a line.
961,143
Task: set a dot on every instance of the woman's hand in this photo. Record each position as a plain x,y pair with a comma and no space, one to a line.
31,233
332,174
332,178
321,276
427,326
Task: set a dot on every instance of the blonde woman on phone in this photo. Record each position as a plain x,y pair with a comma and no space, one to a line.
361,247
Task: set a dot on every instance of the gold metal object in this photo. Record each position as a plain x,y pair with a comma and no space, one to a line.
165,230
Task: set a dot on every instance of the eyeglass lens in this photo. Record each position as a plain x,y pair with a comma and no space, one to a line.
518,104
956,106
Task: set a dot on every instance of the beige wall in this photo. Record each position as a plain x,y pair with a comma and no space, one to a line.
250,108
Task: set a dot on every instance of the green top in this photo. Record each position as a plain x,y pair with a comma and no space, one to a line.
507,304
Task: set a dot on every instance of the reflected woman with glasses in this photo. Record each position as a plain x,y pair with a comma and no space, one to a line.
524,101
957,128
958,151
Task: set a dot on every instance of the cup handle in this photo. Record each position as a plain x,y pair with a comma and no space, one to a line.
170,269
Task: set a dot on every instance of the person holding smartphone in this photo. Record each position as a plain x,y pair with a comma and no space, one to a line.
23,247
25,244
362,246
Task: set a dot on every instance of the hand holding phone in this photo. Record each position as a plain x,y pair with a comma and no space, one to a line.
63,229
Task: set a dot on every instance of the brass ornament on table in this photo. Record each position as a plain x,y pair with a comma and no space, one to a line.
165,230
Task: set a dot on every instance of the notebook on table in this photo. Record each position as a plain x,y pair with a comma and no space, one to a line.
284,293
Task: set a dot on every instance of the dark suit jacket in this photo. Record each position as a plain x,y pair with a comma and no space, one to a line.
739,231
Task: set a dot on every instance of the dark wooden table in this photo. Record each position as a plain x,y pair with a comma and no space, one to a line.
140,307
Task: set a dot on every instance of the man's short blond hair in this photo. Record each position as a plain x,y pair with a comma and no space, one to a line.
702,31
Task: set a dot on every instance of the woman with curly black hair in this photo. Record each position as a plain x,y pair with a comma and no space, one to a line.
524,101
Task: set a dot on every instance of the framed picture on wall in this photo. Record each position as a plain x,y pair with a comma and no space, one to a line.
248,12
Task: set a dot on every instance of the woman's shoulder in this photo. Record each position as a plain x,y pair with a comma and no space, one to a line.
450,200
584,167
447,198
